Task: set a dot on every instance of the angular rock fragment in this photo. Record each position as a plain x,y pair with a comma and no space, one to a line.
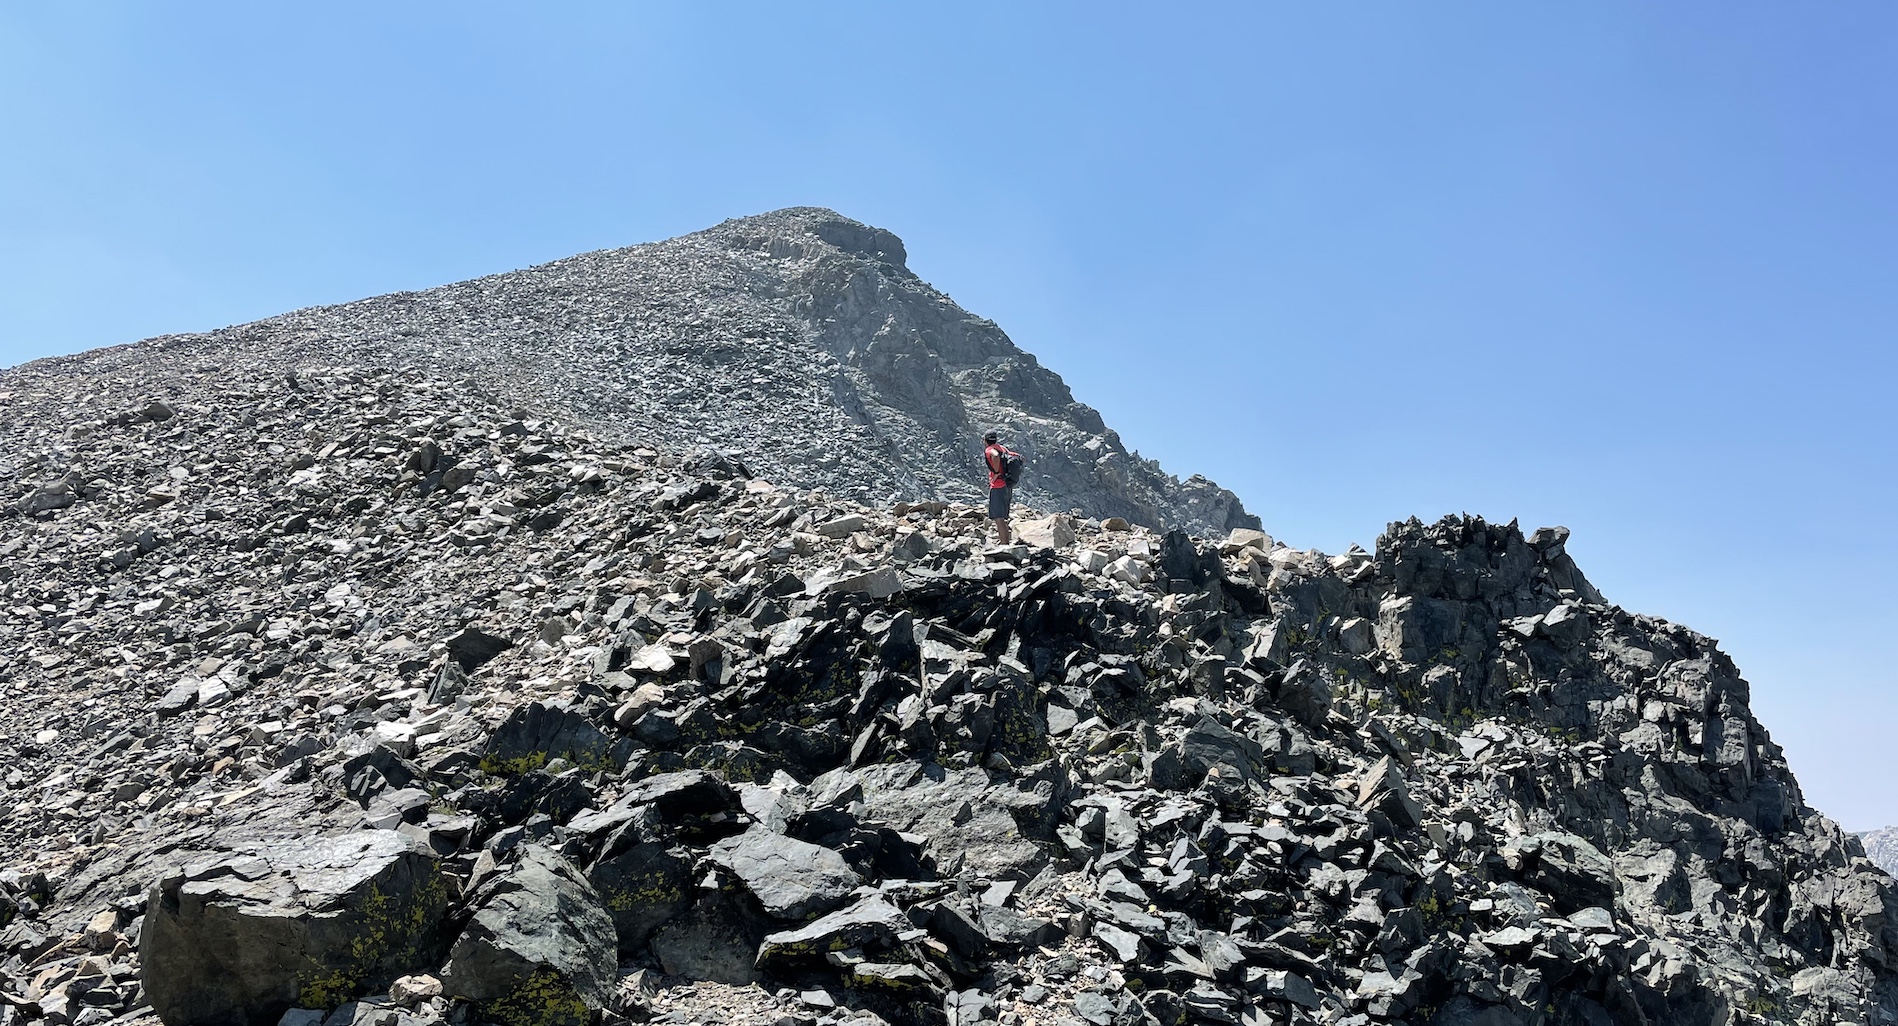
790,879
473,648
1564,866
1052,532
540,949
970,825
1382,787
869,923
178,700
876,584
643,887
1306,694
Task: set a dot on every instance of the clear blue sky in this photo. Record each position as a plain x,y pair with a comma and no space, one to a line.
1628,267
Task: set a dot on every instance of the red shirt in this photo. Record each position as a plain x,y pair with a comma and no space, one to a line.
993,454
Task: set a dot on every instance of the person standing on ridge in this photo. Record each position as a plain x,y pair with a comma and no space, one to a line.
1004,470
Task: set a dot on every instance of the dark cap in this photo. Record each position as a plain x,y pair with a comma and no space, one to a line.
990,437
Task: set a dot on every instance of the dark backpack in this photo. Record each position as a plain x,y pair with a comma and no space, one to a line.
1012,464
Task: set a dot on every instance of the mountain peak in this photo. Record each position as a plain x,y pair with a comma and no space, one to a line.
846,234
446,648
796,341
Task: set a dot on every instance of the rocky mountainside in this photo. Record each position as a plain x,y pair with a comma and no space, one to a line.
1881,846
349,696
797,342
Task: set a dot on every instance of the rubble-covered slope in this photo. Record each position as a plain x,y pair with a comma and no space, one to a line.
797,341
352,690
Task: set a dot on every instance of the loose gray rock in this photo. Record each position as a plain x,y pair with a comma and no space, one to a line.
790,878
534,735
869,923
1566,867
540,950
1249,759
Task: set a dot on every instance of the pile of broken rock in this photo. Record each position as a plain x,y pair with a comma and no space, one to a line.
349,697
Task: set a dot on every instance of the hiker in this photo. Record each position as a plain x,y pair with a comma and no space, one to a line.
1004,470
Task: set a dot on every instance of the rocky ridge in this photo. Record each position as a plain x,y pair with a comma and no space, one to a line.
797,342
347,696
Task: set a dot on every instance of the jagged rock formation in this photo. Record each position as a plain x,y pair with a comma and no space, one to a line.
660,733
797,341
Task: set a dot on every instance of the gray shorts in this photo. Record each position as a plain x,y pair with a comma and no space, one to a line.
999,500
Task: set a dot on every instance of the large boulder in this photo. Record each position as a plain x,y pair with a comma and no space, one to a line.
1050,532
970,823
1205,748
540,950
1570,870
790,878
238,938
538,733
1306,694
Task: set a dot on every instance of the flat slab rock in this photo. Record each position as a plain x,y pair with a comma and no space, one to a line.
869,923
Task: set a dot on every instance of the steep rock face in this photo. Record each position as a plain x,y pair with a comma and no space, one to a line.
797,340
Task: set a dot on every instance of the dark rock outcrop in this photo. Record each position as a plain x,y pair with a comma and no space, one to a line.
789,878
240,938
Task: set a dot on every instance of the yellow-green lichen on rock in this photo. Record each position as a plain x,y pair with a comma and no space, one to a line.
540,949
543,998
643,887
536,734
394,931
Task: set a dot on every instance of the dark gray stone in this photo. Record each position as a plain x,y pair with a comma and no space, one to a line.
473,648
643,887
789,878
870,922
712,939
239,938
1566,867
538,733
540,949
